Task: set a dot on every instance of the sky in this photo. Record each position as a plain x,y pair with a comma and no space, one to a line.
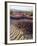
22,8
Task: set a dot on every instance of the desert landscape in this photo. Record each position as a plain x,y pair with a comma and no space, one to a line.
21,25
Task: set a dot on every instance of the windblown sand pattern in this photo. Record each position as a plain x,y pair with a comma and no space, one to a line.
20,31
